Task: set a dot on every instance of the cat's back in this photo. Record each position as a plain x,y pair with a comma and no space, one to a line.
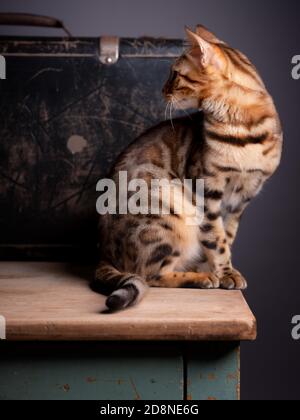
165,146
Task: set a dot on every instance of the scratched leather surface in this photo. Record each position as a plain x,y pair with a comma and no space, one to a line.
64,119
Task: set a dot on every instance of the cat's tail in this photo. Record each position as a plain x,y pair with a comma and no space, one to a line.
123,289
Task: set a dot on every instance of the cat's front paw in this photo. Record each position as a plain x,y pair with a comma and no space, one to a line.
233,281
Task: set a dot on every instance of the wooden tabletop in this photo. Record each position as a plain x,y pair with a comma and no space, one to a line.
52,301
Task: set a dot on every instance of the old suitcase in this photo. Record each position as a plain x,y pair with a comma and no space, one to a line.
68,108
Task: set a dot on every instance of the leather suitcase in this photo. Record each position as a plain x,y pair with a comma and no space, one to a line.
69,106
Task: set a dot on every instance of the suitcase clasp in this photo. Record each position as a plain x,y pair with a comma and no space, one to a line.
109,50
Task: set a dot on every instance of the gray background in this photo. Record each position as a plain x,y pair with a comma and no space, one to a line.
268,244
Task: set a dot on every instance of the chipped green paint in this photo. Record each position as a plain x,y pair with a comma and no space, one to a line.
213,371
119,371
90,371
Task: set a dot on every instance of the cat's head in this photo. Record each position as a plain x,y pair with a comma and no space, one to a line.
208,69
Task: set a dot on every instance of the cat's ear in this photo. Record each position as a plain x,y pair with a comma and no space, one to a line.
204,53
209,36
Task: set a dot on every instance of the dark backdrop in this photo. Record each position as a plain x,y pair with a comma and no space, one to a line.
268,244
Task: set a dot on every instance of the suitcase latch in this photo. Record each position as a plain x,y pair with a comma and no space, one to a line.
109,50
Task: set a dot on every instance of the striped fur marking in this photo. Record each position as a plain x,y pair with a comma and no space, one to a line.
237,141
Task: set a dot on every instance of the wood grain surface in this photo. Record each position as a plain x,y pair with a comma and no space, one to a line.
53,302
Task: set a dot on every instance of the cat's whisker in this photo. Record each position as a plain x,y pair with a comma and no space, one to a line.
166,110
171,117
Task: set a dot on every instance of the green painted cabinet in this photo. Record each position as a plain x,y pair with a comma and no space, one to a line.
119,371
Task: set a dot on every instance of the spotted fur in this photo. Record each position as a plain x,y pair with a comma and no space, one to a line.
234,144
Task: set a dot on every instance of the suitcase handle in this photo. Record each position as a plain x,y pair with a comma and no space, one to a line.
25,19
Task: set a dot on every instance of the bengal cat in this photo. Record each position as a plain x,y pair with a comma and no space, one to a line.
234,144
